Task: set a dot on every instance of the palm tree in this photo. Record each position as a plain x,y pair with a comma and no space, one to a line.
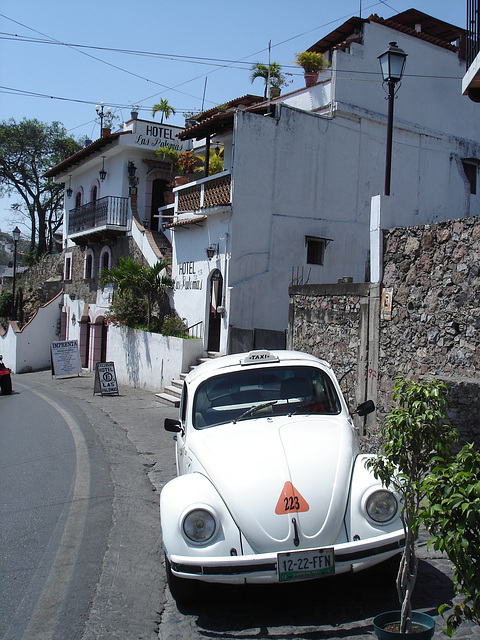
260,70
165,109
143,282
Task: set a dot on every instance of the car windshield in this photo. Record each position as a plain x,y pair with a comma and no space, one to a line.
254,393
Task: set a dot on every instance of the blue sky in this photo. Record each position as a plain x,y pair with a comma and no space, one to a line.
192,53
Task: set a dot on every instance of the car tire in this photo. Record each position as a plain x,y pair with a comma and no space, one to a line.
182,590
6,385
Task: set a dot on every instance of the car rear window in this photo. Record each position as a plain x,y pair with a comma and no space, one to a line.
282,391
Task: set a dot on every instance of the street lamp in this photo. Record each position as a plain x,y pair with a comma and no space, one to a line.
392,64
16,238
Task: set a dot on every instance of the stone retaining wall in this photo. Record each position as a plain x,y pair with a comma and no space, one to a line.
433,272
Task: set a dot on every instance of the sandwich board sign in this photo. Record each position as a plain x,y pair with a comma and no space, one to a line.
105,379
65,358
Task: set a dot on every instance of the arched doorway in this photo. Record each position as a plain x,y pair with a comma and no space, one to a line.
158,200
84,346
214,319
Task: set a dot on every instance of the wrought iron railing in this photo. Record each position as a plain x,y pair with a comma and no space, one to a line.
195,331
110,211
210,192
473,31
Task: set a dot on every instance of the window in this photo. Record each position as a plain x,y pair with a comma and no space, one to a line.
78,199
67,270
93,194
315,249
471,170
105,259
88,272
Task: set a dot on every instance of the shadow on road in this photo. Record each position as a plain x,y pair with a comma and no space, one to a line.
348,600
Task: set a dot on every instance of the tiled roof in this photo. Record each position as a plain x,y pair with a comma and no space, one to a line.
76,158
184,223
432,30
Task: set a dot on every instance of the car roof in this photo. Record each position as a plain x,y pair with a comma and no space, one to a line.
251,360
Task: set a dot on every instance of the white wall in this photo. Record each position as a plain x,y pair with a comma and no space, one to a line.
29,349
149,360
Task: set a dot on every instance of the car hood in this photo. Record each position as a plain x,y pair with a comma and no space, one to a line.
269,471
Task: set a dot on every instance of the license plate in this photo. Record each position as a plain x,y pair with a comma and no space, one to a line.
302,565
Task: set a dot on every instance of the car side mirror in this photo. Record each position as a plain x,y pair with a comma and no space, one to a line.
175,426
365,408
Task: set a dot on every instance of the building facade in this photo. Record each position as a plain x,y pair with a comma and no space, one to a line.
300,173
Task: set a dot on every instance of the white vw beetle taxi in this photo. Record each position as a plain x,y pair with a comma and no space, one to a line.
271,486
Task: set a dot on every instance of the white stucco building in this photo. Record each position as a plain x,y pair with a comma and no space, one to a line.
113,189
300,182
293,203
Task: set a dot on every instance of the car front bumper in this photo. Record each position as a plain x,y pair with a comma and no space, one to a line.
262,568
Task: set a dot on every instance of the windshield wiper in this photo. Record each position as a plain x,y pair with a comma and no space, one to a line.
256,407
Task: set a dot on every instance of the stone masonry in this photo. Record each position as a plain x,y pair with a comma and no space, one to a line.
433,272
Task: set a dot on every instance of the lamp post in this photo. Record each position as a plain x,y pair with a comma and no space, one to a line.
392,64
16,238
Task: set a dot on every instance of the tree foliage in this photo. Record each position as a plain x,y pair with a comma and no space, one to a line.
415,431
260,70
452,516
165,109
27,150
138,287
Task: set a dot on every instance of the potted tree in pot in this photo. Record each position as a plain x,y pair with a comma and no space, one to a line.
415,432
452,516
313,64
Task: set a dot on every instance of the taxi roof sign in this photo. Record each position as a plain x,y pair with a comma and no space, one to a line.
259,356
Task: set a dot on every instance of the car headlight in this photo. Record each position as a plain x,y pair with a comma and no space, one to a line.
199,526
381,506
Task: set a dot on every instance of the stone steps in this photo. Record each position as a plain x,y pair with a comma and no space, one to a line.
172,393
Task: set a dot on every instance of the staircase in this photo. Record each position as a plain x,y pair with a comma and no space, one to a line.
172,393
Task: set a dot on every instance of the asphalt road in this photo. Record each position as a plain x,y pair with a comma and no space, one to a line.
131,598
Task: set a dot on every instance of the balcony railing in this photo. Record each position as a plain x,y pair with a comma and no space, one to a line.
109,212
214,191
473,31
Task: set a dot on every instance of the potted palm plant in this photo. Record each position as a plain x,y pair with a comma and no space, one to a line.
271,74
415,432
313,64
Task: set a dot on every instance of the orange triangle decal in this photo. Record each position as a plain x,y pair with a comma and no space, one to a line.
290,501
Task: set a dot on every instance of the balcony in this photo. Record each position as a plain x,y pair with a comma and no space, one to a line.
100,220
208,193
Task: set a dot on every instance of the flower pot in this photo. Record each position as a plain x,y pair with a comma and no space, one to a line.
169,197
274,92
311,78
425,623
179,180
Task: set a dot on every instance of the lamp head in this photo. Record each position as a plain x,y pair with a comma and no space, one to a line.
392,63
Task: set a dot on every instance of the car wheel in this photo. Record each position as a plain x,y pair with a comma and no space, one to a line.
6,385
182,590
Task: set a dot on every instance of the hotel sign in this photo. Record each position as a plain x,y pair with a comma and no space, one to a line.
152,136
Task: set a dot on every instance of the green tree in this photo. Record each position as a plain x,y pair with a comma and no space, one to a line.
452,516
415,431
27,150
165,109
138,287
260,70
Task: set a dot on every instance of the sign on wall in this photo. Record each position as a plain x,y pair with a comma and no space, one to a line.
65,358
152,136
105,379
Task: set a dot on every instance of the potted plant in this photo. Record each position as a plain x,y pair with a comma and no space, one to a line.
187,161
272,75
313,64
134,109
452,516
415,433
